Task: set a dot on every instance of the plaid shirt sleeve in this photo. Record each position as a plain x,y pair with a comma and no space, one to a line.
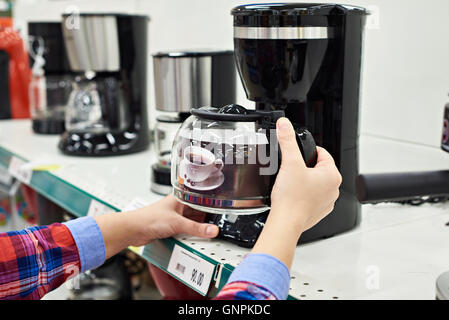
35,261
244,291
258,277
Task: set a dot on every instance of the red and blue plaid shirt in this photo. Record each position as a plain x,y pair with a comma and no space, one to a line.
37,260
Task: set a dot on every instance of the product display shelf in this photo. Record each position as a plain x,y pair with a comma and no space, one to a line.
397,252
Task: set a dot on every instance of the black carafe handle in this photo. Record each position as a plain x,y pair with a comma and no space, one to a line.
307,146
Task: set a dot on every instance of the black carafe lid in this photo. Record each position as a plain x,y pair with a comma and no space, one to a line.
290,14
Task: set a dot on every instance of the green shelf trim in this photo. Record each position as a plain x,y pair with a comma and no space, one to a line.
67,196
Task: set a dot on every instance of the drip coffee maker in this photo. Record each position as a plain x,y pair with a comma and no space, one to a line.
304,60
107,109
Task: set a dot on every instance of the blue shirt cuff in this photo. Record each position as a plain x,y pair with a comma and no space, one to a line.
265,271
89,241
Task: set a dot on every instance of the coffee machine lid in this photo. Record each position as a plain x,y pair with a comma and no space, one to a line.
316,9
192,53
291,14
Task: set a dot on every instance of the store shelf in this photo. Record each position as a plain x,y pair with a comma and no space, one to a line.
406,246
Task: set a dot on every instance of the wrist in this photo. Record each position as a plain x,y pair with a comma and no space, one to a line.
134,226
288,220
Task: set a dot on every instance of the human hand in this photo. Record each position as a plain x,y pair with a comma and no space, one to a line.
302,196
168,217
162,219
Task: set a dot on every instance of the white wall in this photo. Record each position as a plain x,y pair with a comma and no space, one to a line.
406,62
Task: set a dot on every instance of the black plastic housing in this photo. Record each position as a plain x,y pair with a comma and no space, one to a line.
315,81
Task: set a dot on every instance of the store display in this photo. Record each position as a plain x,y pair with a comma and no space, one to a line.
185,80
15,76
51,77
225,161
107,109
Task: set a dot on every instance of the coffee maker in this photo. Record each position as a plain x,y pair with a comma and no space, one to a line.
52,78
184,80
304,59
107,109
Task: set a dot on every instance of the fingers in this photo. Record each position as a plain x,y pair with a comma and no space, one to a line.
291,156
325,161
324,158
196,229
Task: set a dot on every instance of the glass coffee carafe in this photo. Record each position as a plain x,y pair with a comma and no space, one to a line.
224,161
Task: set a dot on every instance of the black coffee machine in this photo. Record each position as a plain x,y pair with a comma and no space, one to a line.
52,78
107,109
304,59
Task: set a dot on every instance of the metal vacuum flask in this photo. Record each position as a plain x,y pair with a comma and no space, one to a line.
305,59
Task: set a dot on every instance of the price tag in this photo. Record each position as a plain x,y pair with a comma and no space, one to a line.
191,268
18,168
97,208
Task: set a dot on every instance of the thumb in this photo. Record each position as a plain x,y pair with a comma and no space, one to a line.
196,229
291,155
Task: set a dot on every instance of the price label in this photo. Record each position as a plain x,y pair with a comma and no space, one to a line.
191,268
97,208
18,168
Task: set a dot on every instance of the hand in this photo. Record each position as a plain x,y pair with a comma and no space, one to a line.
162,219
169,217
300,198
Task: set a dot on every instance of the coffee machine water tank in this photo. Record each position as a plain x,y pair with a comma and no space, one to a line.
305,59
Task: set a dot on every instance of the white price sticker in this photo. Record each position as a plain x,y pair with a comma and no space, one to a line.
191,268
97,208
18,168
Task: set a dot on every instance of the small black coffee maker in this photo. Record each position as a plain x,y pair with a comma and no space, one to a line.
304,59
107,109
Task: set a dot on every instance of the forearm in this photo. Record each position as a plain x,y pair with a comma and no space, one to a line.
278,238
117,230
264,274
